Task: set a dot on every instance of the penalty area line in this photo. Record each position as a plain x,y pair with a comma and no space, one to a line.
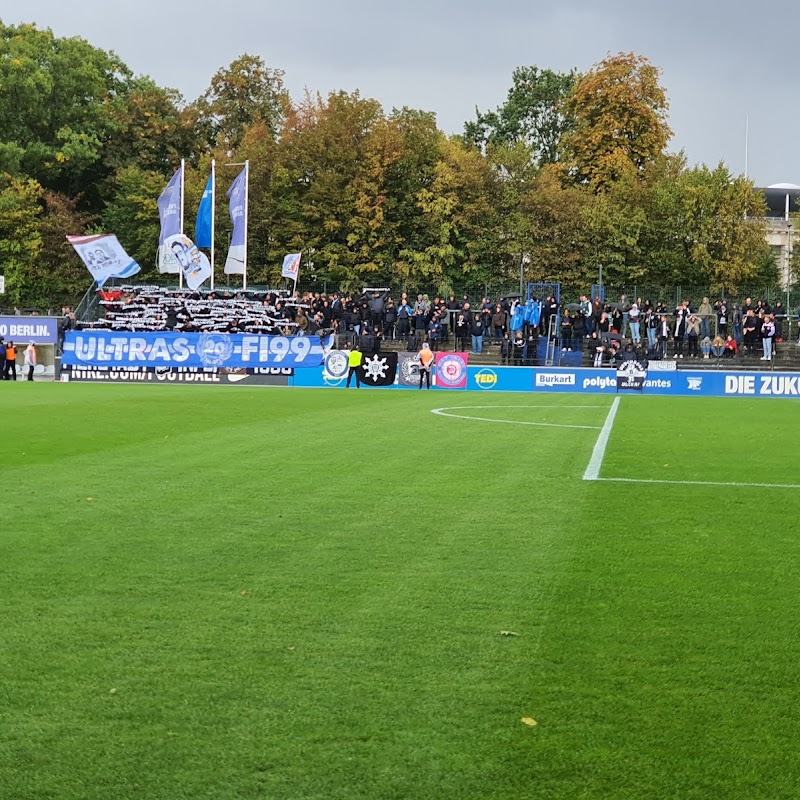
599,453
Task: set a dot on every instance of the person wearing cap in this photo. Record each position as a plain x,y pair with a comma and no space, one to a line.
30,359
425,362
10,367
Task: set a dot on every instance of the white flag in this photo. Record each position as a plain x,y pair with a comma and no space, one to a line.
194,264
104,257
291,266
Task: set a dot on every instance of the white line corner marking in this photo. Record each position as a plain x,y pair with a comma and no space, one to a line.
593,470
444,412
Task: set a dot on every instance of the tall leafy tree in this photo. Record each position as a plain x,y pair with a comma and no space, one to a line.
534,114
619,121
239,95
20,239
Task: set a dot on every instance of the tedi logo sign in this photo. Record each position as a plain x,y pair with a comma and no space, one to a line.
486,379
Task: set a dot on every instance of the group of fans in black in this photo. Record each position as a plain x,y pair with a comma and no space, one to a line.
515,325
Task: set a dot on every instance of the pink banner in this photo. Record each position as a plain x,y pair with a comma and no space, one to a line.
451,370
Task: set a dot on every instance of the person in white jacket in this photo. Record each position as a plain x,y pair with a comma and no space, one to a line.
30,359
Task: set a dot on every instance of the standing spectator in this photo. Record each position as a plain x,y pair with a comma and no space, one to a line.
367,341
30,359
532,346
618,320
624,307
498,322
662,338
420,326
603,327
389,320
566,332
434,332
749,332
692,334
679,332
634,322
738,318
376,307
723,315
586,312
425,362
578,331
651,326
10,366
597,311
3,351
767,335
506,348
477,330
705,312
444,320
519,348
461,331
404,315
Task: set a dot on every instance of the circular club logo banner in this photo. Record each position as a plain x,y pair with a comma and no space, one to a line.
451,371
336,364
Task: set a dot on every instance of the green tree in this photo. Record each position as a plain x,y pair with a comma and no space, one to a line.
132,214
59,276
53,104
534,114
619,121
20,239
239,95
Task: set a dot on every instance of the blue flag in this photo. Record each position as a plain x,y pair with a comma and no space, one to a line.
237,253
169,208
202,228
169,211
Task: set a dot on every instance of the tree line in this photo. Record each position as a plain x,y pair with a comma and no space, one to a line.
571,172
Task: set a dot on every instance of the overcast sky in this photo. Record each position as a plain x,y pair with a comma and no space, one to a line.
720,60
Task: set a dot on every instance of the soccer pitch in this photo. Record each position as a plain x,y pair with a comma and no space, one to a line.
282,593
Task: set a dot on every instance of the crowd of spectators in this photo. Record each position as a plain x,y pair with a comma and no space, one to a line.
605,332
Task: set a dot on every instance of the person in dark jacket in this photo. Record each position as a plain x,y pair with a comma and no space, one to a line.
506,349
498,322
477,330
462,332
420,327
519,348
434,331
389,319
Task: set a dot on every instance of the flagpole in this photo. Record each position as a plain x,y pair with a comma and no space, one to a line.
180,268
246,204
213,213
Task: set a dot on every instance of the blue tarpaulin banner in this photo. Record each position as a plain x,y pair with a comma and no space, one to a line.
108,348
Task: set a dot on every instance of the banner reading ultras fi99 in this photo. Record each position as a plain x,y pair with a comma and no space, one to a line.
107,348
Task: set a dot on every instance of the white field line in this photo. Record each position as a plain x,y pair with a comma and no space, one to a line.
442,412
699,483
599,453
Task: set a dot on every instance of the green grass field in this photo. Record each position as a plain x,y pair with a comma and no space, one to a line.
274,593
